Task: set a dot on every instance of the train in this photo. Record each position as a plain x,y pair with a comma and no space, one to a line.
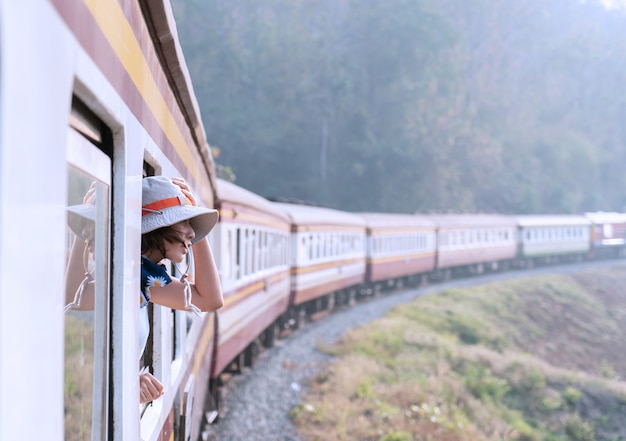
99,91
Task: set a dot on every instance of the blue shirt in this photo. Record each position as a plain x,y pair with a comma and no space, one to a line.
152,274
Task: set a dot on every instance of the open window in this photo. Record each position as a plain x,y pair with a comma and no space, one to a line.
87,316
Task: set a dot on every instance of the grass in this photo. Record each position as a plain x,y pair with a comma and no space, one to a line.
537,359
78,378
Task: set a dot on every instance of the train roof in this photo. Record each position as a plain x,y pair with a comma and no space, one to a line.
308,215
161,27
396,220
232,193
472,220
603,217
537,220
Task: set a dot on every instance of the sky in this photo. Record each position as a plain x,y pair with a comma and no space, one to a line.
614,4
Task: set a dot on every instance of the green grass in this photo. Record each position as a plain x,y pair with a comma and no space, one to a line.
520,360
78,389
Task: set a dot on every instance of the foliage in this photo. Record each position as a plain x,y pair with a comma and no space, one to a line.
404,105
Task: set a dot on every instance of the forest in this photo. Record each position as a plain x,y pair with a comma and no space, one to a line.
409,106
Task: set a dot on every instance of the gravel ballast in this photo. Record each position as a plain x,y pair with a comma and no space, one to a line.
256,403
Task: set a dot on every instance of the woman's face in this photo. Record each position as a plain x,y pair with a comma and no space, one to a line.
176,251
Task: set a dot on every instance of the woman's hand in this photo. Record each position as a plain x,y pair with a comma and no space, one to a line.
87,199
185,189
149,388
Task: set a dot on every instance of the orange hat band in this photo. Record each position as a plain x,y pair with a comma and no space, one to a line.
164,203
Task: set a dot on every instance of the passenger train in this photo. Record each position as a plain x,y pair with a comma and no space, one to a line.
98,91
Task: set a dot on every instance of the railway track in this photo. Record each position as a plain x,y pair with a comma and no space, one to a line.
257,402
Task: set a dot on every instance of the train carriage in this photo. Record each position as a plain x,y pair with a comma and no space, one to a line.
401,248
474,243
97,92
327,257
252,253
608,234
93,92
553,238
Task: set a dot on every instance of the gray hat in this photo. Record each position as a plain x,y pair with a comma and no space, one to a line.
78,216
163,204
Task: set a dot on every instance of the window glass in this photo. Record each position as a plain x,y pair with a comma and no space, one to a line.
87,291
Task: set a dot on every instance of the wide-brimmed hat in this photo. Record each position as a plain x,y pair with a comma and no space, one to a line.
78,216
164,204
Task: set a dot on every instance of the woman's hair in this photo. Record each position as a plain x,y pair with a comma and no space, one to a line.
155,240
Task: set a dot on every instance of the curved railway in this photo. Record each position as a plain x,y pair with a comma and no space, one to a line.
109,102
262,397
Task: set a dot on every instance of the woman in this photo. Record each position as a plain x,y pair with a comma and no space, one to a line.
171,224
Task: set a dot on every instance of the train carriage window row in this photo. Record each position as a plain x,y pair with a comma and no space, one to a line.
556,233
403,243
257,251
324,246
476,238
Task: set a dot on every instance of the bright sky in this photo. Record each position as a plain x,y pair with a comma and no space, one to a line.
614,4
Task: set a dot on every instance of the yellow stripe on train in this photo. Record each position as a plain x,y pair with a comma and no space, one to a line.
118,31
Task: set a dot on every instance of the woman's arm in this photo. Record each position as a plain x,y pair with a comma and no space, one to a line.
206,288
76,271
74,277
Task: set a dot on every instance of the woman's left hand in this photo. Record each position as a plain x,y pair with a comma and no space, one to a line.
149,388
185,189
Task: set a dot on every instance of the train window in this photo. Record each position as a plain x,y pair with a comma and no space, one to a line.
238,274
253,253
227,261
87,288
276,245
259,250
318,249
265,252
245,255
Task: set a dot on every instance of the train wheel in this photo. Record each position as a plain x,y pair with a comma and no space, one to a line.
352,297
443,275
213,403
249,354
239,363
300,317
340,298
270,335
332,301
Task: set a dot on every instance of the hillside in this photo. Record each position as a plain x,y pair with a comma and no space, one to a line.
414,105
532,359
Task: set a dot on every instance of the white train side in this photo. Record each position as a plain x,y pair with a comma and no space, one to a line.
99,91
93,91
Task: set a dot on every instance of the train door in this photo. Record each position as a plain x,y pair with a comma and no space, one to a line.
87,298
